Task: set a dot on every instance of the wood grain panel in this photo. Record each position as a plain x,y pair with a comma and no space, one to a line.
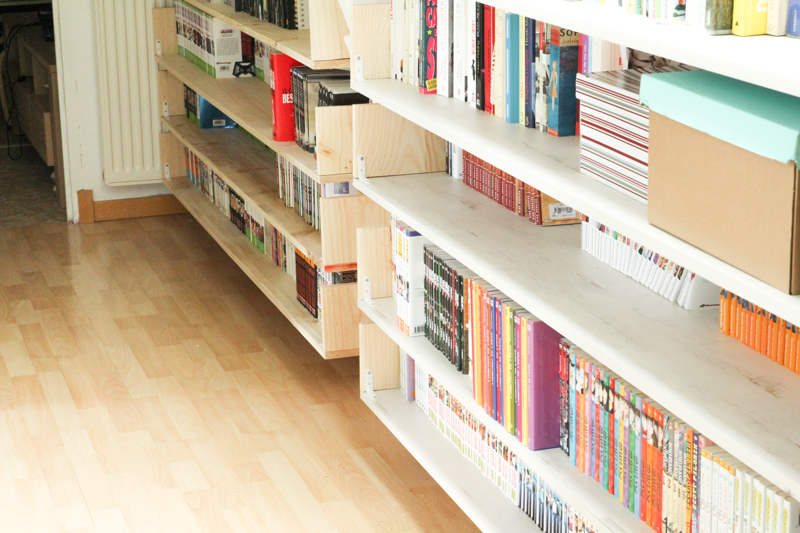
327,30
375,260
340,219
164,30
393,145
381,355
371,39
335,140
150,206
340,319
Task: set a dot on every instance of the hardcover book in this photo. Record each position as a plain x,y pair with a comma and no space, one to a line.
283,116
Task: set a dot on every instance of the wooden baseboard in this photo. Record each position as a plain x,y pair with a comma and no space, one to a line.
90,211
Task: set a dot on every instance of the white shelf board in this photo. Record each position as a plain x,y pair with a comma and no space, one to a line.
552,165
476,495
599,507
730,393
761,60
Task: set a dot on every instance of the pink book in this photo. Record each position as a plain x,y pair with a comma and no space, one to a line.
543,414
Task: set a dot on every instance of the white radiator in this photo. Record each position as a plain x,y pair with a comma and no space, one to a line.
128,91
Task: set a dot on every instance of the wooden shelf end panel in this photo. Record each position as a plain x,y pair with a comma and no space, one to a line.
340,218
393,145
380,355
340,319
328,28
334,140
371,39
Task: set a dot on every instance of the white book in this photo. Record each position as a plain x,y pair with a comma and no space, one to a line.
459,49
696,13
701,293
759,507
777,15
791,515
748,502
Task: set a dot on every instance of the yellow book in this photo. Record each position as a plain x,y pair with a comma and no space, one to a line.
749,17
524,378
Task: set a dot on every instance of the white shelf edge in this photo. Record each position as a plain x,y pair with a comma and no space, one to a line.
712,382
551,164
599,507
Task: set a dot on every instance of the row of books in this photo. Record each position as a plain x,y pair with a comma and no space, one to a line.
491,455
511,66
245,216
202,112
514,194
302,193
289,14
658,467
656,272
306,84
548,393
212,44
759,329
615,128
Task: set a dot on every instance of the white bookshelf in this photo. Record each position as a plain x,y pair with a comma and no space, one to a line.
762,60
551,164
729,393
599,507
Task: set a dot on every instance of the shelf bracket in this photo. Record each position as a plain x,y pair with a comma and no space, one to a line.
359,69
167,175
370,385
166,109
362,170
158,47
368,292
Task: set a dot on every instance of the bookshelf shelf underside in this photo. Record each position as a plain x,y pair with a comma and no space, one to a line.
551,164
248,102
294,43
582,492
720,387
251,171
278,286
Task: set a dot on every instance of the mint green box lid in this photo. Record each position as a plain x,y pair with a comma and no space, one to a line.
755,118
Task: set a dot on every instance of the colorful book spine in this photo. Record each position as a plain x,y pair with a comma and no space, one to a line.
749,17
793,19
428,47
512,58
561,112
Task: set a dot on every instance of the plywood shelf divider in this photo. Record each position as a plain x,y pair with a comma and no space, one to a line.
278,286
251,171
725,390
248,102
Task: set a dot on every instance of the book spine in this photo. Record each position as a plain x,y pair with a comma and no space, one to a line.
749,17
793,19
512,79
488,54
443,38
480,50
530,71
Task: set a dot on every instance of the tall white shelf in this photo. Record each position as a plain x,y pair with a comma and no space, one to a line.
738,398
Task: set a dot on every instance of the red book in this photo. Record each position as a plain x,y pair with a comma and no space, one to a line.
488,43
427,53
281,90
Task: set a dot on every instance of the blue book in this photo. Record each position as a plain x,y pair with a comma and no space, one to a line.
793,20
512,68
208,116
564,60
530,72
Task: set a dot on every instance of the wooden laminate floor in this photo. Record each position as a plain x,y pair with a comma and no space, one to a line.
147,386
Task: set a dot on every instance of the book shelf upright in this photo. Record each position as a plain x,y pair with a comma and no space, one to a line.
245,164
679,359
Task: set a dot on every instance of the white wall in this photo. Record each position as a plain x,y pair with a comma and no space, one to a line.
76,50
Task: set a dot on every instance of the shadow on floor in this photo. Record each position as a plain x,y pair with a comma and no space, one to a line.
27,194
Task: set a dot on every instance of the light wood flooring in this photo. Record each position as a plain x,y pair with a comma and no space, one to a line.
147,386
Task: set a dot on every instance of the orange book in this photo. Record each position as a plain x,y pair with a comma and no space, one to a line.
770,335
736,326
764,332
773,324
724,312
757,329
791,340
750,337
780,352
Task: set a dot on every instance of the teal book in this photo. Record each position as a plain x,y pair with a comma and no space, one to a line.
512,68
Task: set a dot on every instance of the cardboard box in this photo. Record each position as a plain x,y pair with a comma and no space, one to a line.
733,203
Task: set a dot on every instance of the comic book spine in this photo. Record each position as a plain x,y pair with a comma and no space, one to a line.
480,73
530,72
488,54
427,47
